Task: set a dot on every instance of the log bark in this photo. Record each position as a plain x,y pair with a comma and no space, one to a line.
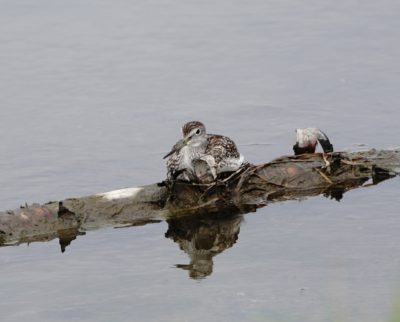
285,178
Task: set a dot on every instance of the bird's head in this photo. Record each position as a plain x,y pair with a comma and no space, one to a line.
194,135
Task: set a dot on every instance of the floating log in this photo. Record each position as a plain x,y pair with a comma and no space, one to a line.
254,186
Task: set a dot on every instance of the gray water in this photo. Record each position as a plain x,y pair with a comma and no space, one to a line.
93,94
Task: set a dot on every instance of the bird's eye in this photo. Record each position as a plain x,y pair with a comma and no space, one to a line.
198,131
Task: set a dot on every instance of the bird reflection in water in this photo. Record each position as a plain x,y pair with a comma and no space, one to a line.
202,238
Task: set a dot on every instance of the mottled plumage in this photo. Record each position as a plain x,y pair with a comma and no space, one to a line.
200,156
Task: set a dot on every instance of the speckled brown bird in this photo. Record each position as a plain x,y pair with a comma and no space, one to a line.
200,156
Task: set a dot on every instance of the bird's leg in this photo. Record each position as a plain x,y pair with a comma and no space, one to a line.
213,170
327,163
216,182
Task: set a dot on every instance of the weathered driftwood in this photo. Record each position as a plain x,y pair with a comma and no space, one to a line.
66,219
285,178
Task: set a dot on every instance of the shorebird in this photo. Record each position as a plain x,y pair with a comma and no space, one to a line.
307,139
202,157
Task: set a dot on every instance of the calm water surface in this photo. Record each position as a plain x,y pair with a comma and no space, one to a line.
93,94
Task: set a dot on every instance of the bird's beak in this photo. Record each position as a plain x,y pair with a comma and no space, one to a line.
177,147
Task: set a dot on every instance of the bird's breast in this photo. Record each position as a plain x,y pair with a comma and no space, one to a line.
188,154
